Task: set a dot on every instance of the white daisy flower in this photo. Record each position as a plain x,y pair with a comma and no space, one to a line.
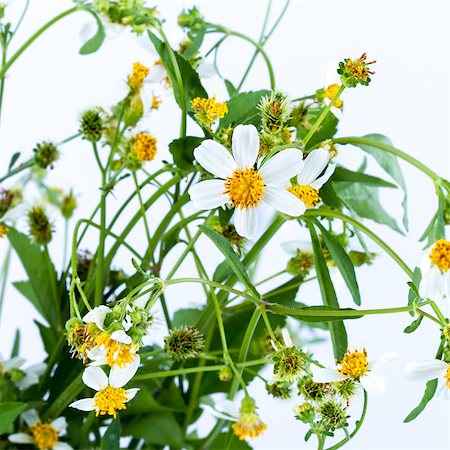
435,268
310,180
43,435
430,370
110,396
240,184
356,366
23,378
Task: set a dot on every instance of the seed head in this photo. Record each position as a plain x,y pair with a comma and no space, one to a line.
184,342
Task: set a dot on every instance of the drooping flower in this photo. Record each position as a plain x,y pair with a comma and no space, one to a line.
430,370
435,268
240,184
355,365
310,180
43,435
111,396
23,378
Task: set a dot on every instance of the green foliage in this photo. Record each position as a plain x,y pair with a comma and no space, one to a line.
430,390
111,438
96,41
9,411
326,130
182,150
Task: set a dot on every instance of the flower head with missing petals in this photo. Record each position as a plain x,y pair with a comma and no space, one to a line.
242,185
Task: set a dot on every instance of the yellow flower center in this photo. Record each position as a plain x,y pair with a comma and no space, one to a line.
248,425
3,231
145,146
208,109
440,255
117,354
245,188
110,400
308,195
358,68
156,101
44,435
447,377
331,91
354,364
136,79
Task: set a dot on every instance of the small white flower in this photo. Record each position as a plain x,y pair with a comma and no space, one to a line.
42,435
356,366
30,375
430,370
240,184
435,268
110,396
97,315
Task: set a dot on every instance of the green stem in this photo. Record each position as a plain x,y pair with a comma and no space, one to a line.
18,169
2,79
389,149
323,115
268,325
141,204
4,276
101,245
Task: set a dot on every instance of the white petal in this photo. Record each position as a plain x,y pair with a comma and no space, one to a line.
425,263
13,363
321,375
426,370
324,178
131,393
85,404
284,201
208,194
245,145
97,316
447,284
432,285
119,377
20,438
157,74
443,392
313,166
95,378
62,446
37,369
373,383
98,355
206,70
382,360
229,407
27,381
31,417
279,169
217,414
246,222
59,424
215,158
291,247
287,337
121,336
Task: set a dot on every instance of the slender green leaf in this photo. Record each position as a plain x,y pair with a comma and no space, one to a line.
414,325
427,396
306,313
96,41
111,438
9,411
329,298
233,260
230,88
343,174
16,346
14,159
342,261
195,44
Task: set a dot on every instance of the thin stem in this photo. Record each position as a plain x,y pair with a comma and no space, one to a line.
268,325
101,245
18,169
4,276
429,316
2,79
19,22
141,204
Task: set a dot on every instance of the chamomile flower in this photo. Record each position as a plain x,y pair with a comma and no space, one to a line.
111,396
239,183
355,365
435,268
43,435
310,180
23,378
430,370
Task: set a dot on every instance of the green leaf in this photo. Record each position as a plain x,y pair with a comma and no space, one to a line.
414,325
195,44
186,316
230,88
326,130
427,396
342,261
183,151
304,313
243,109
111,438
329,196
337,329
14,158
191,82
389,163
96,41
9,411
342,174
363,200
413,294
231,441
16,346
235,263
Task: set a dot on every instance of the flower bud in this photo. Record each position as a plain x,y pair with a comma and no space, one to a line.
301,264
184,342
40,227
313,391
225,374
305,413
6,201
354,72
299,115
346,388
290,363
68,205
279,389
91,125
191,19
275,111
333,414
45,154
266,143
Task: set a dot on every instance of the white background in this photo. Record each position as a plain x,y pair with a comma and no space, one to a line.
408,101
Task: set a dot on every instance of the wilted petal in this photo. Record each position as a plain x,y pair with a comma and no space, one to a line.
131,393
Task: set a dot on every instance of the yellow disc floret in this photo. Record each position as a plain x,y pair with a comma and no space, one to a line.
3,231
156,101
440,255
117,353
208,109
308,195
110,400
144,145
354,364
330,92
245,188
249,425
136,79
447,377
44,435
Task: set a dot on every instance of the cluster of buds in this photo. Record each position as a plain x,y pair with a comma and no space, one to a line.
354,72
191,20
184,342
208,110
45,154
